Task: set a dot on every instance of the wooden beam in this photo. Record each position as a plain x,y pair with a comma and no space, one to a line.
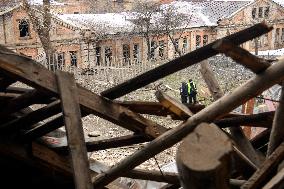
155,108
74,129
115,142
261,139
5,82
219,108
42,79
265,172
19,103
183,62
204,158
242,56
173,105
32,118
277,131
210,80
277,182
263,119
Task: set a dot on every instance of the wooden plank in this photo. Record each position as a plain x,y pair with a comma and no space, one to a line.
277,131
173,105
277,182
204,158
156,108
183,62
265,172
74,129
32,118
42,79
242,56
219,108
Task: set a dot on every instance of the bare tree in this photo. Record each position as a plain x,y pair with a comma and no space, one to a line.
174,24
144,18
41,21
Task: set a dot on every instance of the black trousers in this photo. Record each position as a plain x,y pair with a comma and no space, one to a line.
192,98
183,99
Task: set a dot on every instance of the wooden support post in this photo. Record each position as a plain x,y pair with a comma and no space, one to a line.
183,62
219,108
210,80
173,105
203,158
74,129
265,172
277,132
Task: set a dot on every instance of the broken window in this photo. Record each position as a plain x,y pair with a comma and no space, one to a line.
198,41
266,12
108,55
126,53
176,46
161,48
24,28
60,61
98,56
265,39
152,51
253,13
73,57
184,45
282,35
260,12
277,35
205,40
136,53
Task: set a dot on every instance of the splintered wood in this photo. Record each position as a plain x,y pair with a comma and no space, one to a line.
208,157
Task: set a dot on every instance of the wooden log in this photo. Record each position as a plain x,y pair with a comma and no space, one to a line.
203,158
261,139
210,80
265,172
277,182
219,108
277,131
242,56
182,62
74,129
38,77
32,118
173,105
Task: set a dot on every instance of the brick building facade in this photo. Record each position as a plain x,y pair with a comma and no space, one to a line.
103,39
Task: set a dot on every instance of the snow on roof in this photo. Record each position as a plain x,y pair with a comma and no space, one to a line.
209,12
109,23
280,2
40,2
277,52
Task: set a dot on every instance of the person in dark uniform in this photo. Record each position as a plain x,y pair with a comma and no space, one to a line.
183,92
192,91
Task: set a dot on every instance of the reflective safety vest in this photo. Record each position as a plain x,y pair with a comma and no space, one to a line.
191,89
